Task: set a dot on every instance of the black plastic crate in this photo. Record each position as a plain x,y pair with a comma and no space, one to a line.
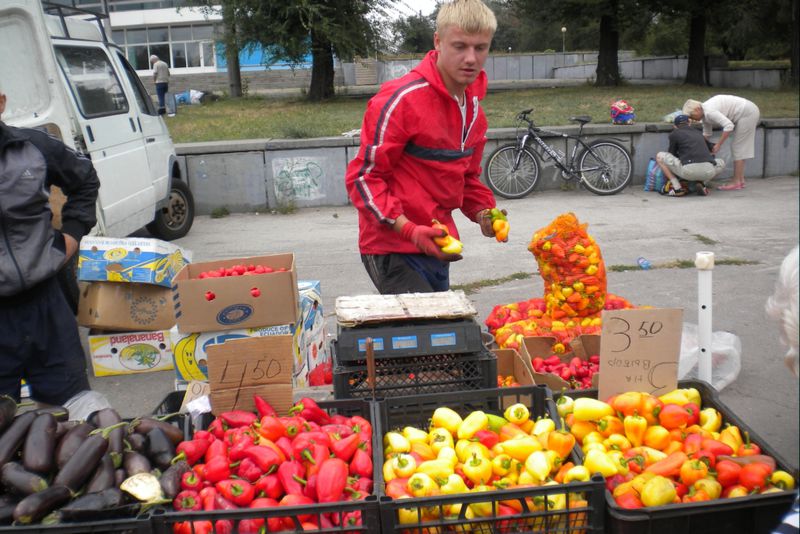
163,521
409,338
171,405
418,375
743,515
395,413
122,525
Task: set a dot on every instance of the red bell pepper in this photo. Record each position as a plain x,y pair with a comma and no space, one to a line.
692,443
293,425
237,450
316,456
248,470
191,451
208,498
239,492
351,519
755,476
264,457
487,438
269,486
295,500
271,427
309,410
290,475
363,484
694,413
673,416
310,490
359,424
204,434
302,439
331,480
629,501
191,481
748,448
717,447
217,428
340,430
238,418
215,449
187,501
361,464
727,472
193,527
344,448
285,445
263,407
216,469
707,457
223,526
222,503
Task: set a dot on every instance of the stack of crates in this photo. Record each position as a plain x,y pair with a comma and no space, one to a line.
412,358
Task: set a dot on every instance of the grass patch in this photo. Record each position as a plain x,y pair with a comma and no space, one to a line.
258,117
703,239
219,213
680,264
286,208
473,287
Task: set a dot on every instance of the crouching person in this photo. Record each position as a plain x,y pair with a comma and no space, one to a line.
688,158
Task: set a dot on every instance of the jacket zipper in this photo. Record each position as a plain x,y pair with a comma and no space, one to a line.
471,124
11,252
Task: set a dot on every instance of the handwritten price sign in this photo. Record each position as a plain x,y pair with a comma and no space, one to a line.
639,351
241,367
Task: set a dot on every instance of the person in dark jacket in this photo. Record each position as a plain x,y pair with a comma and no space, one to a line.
422,141
39,339
689,157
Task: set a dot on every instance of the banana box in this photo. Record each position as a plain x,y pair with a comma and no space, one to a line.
308,340
131,352
142,260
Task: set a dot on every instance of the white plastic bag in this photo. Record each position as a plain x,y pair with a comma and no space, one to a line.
670,117
726,356
84,403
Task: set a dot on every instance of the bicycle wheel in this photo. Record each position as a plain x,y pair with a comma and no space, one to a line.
605,167
504,180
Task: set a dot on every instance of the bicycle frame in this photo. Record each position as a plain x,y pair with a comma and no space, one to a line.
567,165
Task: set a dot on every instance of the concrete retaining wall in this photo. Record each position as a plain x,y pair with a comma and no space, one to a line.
261,174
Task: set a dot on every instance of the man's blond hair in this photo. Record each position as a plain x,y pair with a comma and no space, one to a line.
472,16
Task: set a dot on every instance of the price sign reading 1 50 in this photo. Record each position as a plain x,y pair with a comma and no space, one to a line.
623,333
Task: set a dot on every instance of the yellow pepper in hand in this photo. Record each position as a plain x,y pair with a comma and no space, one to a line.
499,225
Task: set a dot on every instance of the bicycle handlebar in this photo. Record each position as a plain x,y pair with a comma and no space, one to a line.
523,116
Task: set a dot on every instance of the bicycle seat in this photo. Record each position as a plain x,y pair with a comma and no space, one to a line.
583,119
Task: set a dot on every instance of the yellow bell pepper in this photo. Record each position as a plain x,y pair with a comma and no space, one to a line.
617,442
635,427
658,491
475,421
413,434
422,485
652,455
554,460
593,437
423,450
439,438
542,438
403,465
527,426
448,454
657,437
478,469
436,469
594,446
388,471
538,465
495,422
395,442
618,457
694,396
501,465
599,462
481,509
710,419
464,449
517,413
521,447
732,437
453,484
638,482
565,405
446,418
588,409
578,473
557,501
783,480
676,396
409,516
542,425
527,479
710,486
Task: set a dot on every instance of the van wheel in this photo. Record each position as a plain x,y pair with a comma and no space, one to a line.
175,219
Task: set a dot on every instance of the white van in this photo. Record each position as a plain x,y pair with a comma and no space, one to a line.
60,73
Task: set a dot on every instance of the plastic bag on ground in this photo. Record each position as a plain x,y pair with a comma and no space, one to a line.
84,403
726,356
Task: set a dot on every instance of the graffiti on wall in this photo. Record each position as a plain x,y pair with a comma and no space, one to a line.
298,179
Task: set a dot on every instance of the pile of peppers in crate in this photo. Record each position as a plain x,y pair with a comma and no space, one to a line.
572,268
262,460
656,451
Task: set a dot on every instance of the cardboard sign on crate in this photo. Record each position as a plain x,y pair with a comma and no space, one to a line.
241,367
640,350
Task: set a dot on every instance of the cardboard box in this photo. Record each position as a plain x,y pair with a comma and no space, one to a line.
510,363
228,303
540,346
131,352
308,340
147,261
125,307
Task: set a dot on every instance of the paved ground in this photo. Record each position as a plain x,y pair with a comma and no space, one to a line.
758,224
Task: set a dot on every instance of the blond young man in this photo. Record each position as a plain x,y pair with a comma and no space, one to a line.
422,141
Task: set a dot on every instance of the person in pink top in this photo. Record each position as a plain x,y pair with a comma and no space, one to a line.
738,117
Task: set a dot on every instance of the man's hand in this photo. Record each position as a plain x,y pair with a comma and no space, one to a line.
422,238
486,223
70,246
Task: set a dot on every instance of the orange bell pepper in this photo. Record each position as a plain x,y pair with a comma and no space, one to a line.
692,470
635,428
610,424
560,442
669,466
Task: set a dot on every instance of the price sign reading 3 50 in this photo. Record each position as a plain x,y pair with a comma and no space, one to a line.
639,351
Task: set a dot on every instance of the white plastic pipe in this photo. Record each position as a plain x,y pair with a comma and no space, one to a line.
704,261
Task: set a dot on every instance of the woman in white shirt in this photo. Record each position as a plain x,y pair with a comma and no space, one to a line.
735,115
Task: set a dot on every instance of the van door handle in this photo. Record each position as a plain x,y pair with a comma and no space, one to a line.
133,125
91,134
151,139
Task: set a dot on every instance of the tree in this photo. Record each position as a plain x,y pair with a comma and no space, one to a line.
696,64
413,34
607,72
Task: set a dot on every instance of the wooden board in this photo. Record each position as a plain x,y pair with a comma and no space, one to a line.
361,309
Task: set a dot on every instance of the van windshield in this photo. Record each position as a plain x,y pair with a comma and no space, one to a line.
92,80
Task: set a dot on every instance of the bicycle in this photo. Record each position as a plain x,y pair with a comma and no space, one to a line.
603,166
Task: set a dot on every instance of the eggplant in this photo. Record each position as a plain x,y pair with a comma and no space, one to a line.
8,409
34,507
7,505
119,476
40,444
160,449
108,417
59,412
135,463
63,427
12,438
145,424
136,442
103,477
71,442
91,505
20,481
83,463
170,479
